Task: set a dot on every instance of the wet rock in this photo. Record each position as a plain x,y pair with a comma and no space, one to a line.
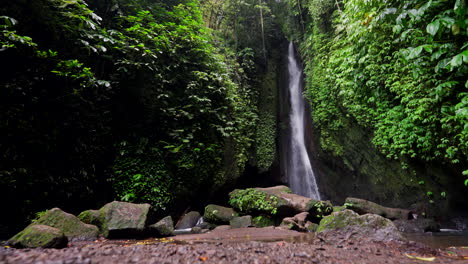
419,225
164,227
262,221
206,225
121,219
69,224
362,206
91,217
189,220
218,214
43,236
196,230
349,223
241,221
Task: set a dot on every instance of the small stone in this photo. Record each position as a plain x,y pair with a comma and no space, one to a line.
218,214
241,221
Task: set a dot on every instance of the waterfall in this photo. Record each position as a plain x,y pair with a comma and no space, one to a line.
299,170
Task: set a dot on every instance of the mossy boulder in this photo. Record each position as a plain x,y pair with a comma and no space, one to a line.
164,227
121,219
189,220
241,221
92,217
349,223
218,214
39,236
262,221
69,224
276,200
362,206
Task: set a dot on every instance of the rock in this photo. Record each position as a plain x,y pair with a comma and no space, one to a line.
276,200
196,230
222,228
350,224
262,221
362,206
206,225
121,219
189,220
218,214
298,222
69,224
91,217
419,225
300,218
35,236
164,227
288,223
241,221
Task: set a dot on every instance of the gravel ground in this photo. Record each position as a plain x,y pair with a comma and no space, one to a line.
220,249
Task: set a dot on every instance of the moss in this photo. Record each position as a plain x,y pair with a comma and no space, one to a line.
253,201
91,217
218,214
69,224
35,236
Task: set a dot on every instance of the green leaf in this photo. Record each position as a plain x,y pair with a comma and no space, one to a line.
433,27
466,182
456,61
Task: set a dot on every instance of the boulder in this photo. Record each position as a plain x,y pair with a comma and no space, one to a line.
222,228
262,221
218,214
69,224
349,224
189,220
91,217
164,227
241,221
121,219
288,223
300,218
35,236
276,200
362,206
298,222
419,225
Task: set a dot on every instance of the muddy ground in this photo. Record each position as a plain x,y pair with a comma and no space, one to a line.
252,245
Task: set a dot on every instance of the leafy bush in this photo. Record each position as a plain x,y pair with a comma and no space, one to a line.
253,201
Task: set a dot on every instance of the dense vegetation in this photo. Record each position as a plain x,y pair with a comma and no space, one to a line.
398,68
133,100
167,101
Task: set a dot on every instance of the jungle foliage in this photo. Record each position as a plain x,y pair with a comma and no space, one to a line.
120,99
398,68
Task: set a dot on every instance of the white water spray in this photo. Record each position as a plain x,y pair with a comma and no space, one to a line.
300,175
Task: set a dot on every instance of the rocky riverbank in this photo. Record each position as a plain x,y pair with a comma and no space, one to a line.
237,246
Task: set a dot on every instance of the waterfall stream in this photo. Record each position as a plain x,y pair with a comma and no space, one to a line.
299,169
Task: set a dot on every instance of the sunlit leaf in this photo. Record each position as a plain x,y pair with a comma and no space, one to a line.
433,27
